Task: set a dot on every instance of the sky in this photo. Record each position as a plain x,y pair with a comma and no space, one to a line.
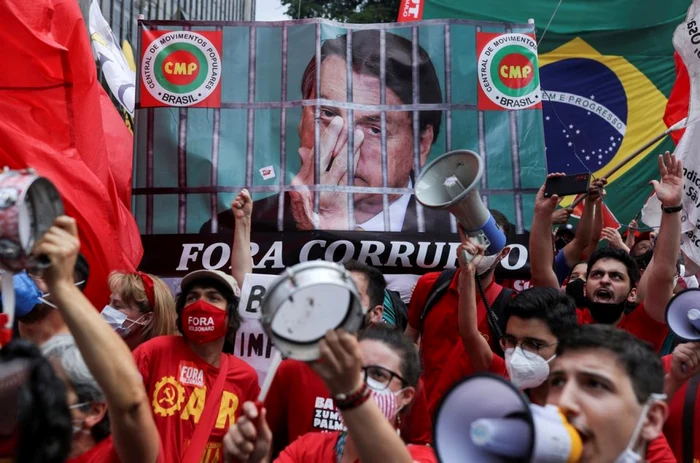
269,10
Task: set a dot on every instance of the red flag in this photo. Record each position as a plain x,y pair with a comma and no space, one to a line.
677,106
54,120
609,219
410,10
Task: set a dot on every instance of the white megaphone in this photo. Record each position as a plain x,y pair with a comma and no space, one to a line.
485,419
683,314
449,182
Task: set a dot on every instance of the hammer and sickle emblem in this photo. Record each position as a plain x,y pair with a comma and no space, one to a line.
170,392
169,398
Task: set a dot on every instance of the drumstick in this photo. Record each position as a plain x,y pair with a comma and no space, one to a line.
677,126
274,364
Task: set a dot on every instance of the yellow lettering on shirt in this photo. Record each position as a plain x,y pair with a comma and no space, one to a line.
195,405
227,410
212,453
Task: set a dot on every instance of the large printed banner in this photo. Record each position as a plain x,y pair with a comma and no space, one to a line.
329,125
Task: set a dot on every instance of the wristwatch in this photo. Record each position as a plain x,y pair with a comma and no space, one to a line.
672,209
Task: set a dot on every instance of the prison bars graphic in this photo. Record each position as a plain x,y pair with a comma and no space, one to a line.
447,107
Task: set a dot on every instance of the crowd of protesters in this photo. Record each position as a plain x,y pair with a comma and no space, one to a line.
151,377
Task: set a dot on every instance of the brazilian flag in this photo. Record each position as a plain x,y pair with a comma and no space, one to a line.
606,69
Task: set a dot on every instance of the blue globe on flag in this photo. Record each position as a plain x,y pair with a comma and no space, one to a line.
584,107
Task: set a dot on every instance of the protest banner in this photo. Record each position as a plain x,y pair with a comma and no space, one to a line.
227,105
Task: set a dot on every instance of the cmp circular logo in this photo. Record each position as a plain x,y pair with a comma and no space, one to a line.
585,114
508,71
181,68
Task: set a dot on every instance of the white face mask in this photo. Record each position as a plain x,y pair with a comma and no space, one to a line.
78,424
526,372
485,264
50,304
629,455
116,320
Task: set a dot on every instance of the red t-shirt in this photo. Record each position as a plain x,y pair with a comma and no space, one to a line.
673,428
177,381
638,322
440,330
320,448
457,367
299,402
104,452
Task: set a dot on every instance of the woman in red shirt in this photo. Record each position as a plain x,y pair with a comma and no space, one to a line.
381,364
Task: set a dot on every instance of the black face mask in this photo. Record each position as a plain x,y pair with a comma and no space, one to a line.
606,313
560,243
574,288
644,259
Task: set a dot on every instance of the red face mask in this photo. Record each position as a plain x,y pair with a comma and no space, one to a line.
202,322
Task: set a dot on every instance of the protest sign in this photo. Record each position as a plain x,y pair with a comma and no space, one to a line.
252,343
328,146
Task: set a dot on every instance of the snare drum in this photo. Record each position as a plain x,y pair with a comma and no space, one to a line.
28,206
307,300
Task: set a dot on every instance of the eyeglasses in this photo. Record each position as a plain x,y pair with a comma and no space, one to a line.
530,348
381,376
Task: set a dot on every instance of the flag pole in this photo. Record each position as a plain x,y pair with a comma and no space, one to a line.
677,126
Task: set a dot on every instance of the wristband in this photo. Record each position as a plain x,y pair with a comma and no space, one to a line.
672,209
353,400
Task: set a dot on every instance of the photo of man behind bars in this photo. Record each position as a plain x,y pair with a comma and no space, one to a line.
370,146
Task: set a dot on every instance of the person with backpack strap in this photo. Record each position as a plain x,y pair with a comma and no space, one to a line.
432,313
682,427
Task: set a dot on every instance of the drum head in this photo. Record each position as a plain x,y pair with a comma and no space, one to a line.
305,302
39,210
305,316
28,207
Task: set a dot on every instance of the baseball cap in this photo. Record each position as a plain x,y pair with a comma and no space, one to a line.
217,275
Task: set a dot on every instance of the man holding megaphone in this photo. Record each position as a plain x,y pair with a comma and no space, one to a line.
607,387
450,182
535,320
610,386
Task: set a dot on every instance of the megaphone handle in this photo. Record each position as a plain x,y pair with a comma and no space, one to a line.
466,257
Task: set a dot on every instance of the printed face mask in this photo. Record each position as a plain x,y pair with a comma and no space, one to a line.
385,398
526,372
203,322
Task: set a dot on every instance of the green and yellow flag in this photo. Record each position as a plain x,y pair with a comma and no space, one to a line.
606,70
